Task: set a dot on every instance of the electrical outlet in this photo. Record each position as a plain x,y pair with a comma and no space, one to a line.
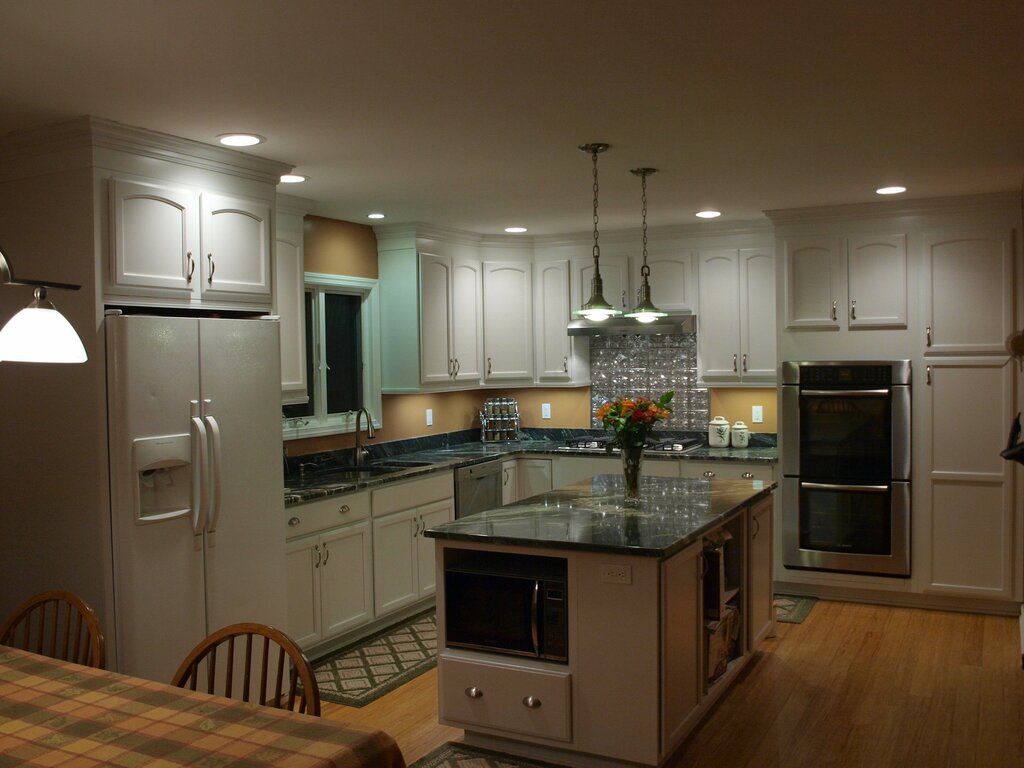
757,414
545,410
616,573
430,417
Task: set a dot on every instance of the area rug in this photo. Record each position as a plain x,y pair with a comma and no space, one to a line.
365,671
452,755
793,609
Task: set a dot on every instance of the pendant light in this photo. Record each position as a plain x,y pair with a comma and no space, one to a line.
645,311
597,308
38,333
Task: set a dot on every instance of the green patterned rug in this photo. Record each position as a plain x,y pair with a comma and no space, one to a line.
452,755
365,671
793,609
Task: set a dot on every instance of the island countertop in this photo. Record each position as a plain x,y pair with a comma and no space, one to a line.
591,515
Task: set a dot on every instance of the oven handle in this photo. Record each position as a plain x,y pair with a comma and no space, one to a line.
843,392
534,630
855,488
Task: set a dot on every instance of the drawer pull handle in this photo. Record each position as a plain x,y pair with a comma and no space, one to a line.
747,475
709,473
294,521
473,692
531,702
343,509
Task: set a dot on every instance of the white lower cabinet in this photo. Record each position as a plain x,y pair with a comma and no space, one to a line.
727,470
509,481
533,476
760,570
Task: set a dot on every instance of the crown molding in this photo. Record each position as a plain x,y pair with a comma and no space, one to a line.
895,209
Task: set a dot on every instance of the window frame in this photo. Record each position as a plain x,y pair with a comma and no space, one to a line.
321,423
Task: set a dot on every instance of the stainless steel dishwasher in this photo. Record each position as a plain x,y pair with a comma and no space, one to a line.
477,487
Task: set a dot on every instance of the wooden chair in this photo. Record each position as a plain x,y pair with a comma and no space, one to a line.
57,624
227,669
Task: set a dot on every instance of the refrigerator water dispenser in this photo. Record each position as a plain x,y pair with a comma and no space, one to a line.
163,473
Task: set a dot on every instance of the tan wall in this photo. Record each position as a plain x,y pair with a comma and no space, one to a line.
339,247
735,405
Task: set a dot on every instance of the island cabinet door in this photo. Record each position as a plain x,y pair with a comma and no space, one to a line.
681,645
760,606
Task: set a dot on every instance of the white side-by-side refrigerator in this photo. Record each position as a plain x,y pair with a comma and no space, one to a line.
196,483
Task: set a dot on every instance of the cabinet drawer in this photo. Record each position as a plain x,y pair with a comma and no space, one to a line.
412,493
326,513
499,697
727,470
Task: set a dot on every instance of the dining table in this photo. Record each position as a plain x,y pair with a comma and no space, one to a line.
57,713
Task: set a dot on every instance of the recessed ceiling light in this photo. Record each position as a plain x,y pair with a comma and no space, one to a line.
708,214
239,139
292,178
890,190
375,215
515,230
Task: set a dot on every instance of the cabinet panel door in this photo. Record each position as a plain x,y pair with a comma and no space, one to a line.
155,236
509,482
968,293
718,334
534,476
436,360
672,280
236,248
429,516
394,561
289,305
812,283
551,301
346,578
508,321
467,319
877,269
614,276
303,559
760,597
757,316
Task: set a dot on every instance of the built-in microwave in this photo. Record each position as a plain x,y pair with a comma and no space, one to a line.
506,603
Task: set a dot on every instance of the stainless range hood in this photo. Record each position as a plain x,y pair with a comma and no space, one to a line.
624,326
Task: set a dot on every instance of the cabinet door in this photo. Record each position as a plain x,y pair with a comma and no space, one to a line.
760,597
877,281
290,306
551,302
429,516
467,318
154,237
509,482
236,248
346,578
813,283
614,275
967,546
436,360
394,561
508,321
534,476
718,336
672,280
758,358
968,296
303,559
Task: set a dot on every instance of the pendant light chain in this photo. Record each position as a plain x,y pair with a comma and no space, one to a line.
597,248
645,311
645,271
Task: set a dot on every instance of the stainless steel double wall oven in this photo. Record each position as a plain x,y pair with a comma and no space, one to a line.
846,466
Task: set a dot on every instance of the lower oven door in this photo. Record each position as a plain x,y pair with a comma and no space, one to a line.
849,528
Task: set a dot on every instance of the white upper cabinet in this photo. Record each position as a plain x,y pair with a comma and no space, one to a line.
450,293
508,320
614,276
855,282
673,279
552,343
968,292
289,303
467,319
736,331
236,248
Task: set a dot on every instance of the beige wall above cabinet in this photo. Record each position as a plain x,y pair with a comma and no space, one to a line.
508,321
846,282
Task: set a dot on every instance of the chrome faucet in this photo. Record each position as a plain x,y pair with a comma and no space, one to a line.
359,450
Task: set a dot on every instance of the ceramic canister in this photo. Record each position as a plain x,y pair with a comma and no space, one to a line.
718,432
740,435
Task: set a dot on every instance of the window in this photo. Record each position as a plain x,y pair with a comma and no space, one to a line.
342,356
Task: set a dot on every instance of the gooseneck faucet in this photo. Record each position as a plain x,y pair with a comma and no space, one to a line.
359,450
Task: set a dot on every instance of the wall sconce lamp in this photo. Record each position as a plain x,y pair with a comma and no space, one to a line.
38,333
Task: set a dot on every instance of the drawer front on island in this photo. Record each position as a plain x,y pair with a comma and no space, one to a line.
505,697
728,470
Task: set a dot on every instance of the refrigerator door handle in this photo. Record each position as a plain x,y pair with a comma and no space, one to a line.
200,492
214,431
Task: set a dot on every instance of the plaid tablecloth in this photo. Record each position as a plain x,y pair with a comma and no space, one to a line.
57,713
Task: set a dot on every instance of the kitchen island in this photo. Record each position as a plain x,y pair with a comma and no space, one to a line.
664,603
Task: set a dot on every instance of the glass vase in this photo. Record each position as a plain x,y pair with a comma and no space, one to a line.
632,462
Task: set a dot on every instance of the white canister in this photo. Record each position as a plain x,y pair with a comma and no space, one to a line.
740,435
718,432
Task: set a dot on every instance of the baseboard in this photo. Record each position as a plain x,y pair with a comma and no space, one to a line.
900,599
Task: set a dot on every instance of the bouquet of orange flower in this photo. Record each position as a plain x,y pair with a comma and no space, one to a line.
633,419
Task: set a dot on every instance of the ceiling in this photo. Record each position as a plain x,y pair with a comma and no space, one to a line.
467,113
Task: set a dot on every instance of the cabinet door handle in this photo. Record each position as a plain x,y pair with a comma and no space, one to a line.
327,554
191,267
213,267
531,702
744,362
344,509
747,475
928,336
488,366
757,528
928,375
709,473
316,548
835,316
734,368
565,364
458,366
853,309
293,521
474,693
451,368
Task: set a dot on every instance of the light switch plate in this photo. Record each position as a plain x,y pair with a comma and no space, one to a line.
545,410
430,417
757,414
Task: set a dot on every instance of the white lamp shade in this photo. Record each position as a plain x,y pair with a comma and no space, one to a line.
40,335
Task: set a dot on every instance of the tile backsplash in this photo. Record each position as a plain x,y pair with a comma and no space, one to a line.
648,366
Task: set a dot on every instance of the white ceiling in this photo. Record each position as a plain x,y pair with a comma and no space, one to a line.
467,113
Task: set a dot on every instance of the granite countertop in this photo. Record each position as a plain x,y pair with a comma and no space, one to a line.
591,516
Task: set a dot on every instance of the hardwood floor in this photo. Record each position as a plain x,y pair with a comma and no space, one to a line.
854,685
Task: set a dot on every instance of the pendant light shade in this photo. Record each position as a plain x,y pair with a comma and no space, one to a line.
645,311
38,333
597,308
